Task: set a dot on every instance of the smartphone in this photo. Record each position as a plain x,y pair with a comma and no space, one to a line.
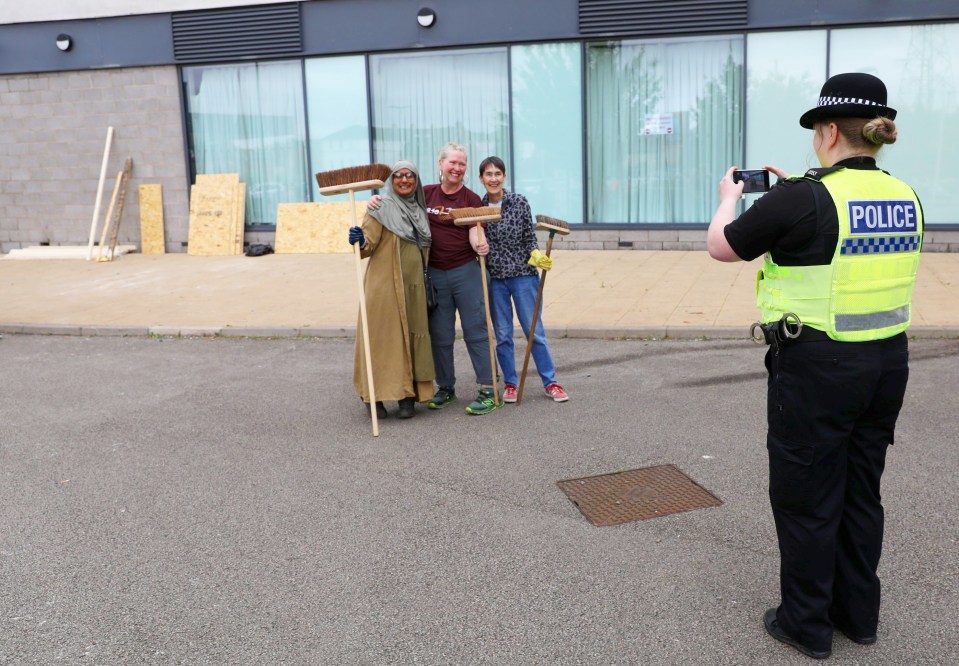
756,180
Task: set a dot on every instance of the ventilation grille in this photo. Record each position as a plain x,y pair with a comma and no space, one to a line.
657,17
237,33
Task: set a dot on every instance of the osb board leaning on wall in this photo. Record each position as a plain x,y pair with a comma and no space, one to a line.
217,207
315,228
151,219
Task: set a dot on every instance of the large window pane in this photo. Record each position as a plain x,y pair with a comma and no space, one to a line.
664,122
920,67
422,101
784,71
336,104
548,128
248,119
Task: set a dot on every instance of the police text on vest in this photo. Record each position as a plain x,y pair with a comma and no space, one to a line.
872,217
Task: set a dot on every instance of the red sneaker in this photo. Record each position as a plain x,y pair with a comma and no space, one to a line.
509,393
556,392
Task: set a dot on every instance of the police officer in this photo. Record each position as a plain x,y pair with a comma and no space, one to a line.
841,246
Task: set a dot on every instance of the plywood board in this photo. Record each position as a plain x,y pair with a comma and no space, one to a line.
213,215
217,179
315,228
151,219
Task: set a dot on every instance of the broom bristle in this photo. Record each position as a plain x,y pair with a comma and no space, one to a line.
544,223
484,211
354,174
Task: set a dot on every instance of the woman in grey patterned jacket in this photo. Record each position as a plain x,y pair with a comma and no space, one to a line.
512,261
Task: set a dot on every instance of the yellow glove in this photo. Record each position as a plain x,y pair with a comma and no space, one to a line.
540,260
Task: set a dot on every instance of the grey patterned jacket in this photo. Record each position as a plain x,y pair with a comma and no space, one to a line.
512,239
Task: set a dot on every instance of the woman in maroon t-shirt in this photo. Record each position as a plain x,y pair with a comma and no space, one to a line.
456,274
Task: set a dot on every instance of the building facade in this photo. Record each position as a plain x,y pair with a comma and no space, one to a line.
619,117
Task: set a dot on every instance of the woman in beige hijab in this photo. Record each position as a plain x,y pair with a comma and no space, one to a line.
396,238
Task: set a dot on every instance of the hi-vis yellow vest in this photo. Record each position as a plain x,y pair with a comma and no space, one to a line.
865,293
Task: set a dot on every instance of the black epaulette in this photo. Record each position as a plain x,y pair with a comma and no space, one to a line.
818,173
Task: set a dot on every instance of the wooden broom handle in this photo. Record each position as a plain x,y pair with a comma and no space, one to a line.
363,322
480,239
532,325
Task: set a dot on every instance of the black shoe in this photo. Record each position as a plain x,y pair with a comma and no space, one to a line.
774,630
406,408
862,640
444,396
381,412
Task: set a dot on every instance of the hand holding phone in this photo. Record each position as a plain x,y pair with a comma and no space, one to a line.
754,180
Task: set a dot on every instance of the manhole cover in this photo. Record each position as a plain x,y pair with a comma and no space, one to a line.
636,494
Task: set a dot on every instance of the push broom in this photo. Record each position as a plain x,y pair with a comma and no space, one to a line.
352,180
554,227
469,217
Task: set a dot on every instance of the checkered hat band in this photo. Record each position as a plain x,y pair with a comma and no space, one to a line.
832,101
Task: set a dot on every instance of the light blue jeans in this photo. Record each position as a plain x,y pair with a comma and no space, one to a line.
521,291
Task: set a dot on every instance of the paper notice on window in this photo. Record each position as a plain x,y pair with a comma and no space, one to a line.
658,123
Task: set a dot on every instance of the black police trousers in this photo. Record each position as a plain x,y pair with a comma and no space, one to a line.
832,410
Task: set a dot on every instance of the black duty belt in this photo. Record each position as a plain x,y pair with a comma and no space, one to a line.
787,329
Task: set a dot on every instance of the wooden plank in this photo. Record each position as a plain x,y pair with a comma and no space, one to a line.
151,220
314,228
109,217
118,214
239,224
96,205
60,252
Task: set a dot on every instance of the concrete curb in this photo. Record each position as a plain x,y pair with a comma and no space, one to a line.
589,333
653,332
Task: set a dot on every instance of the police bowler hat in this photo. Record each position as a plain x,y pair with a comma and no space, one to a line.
853,95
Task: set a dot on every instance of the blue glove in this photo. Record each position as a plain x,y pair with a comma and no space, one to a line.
356,236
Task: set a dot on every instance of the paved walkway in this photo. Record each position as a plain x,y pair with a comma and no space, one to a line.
606,294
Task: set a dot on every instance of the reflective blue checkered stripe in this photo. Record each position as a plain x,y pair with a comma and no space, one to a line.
880,244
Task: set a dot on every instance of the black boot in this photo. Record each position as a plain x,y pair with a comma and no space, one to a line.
381,412
406,408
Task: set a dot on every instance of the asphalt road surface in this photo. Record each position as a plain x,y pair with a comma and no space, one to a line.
222,501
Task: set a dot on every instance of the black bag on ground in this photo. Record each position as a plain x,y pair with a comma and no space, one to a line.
258,250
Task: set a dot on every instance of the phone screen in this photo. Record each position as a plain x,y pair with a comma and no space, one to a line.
755,180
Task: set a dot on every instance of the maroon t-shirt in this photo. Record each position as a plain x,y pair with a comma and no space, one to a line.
451,244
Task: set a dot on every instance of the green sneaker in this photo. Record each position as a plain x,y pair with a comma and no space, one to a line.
444,395
483,404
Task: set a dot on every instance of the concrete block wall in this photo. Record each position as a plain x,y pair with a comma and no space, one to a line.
53,129
940,241
583,238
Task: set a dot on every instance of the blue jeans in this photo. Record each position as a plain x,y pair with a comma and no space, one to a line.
521,291
460,289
